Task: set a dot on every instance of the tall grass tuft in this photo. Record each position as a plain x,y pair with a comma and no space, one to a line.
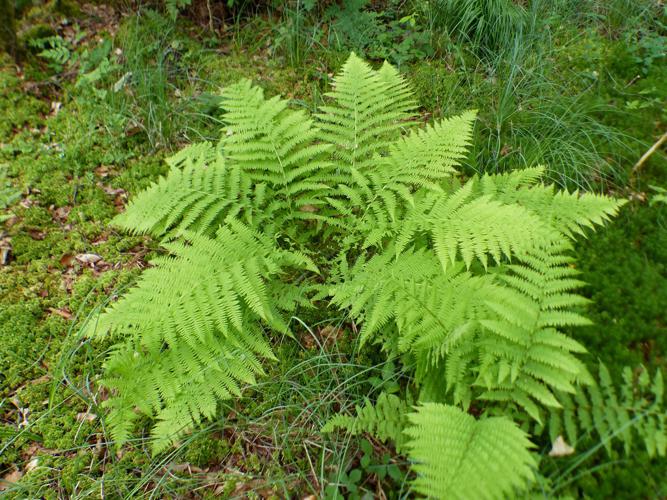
487,25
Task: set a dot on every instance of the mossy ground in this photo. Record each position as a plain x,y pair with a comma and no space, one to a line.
76,148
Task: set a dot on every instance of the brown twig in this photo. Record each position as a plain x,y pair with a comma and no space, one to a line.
648,153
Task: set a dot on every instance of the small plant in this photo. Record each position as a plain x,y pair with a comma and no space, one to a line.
382,35
53,49
465,284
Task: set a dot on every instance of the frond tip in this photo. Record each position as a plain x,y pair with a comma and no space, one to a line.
457,456
385,419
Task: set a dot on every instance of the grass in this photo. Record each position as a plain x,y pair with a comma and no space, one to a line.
564,94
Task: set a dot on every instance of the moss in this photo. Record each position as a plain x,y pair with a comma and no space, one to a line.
25,342
207,450
18,109
625,266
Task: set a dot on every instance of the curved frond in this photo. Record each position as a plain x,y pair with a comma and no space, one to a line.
457,456
636,413
192,325
368,110
193,197
385,419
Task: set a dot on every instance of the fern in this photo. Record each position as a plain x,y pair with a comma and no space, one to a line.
191,198
638,412
52,48
369,107
470,283
457,456
385,419
190,331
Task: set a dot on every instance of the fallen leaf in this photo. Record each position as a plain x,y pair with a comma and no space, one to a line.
88,258
85,417
189,468
9,479
32,464
12,220
55,107
27,203
61,214
36,234
64,313
560,448
5,252
40,380
67,260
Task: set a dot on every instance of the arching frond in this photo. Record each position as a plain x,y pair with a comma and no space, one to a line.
384,420
524,355
368,110
457,456
193,197
191,325
599,412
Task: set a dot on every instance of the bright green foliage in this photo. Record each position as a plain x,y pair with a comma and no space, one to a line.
191,332
469,283
190,198
638,412
385,419
460,457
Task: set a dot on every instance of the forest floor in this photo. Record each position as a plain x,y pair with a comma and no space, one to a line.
83,131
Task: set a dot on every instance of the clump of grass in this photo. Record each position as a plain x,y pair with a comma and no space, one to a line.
486,25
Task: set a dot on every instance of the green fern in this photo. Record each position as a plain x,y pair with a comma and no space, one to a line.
191,198
191,331
638,412
469,283
385,419
457,456
369,108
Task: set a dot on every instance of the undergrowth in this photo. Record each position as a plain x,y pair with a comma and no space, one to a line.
83,131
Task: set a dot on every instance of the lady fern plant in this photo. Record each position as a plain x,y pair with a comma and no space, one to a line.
469,282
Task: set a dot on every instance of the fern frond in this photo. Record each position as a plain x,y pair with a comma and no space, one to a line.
191,326
193,197
427,156
376,198
411,291
474,227
569,213
636,413
369,108
276,146
384,420
457,456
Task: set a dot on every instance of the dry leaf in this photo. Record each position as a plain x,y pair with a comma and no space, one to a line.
67,260
61,214
55,107
5,252
88,258
9,479
64,313
32,465
85,416
36,234
560,448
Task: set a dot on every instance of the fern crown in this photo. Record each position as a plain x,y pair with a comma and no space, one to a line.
469,282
